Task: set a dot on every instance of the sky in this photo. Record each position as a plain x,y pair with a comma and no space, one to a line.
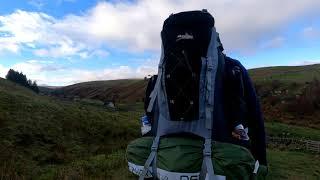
62,42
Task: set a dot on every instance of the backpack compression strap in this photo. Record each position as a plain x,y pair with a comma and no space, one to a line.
212,60
153,155
152,159
157,85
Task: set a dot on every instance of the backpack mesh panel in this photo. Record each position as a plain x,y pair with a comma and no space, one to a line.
182,69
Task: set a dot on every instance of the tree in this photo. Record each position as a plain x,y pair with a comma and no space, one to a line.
35,87
21,79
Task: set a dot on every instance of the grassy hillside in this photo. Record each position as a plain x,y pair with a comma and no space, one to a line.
48,89
125,90
288,94
277,129
47,138
298,74
132,90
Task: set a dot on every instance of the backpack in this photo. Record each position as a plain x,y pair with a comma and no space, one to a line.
234,98
187,95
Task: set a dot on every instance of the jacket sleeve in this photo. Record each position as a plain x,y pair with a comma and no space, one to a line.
255,120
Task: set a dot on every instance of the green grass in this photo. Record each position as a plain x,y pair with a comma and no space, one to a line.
282,165
283,130
126,90
48,138
293,165
41,135
298,74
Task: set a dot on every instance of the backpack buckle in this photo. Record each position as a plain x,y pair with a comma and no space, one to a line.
207,148
154,148
155,144
210,67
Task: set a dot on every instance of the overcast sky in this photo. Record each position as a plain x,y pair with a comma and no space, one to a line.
61,42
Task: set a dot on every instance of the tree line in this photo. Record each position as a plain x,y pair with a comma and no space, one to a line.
21,79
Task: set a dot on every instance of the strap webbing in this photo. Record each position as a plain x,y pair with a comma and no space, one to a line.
209,98
151,159
207,167
157,86
212,65
256,167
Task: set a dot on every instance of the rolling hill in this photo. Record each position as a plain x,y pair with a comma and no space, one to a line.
132,90
298,74
288,93
47,138
125,90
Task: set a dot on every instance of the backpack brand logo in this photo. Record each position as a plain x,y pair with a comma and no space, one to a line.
184,36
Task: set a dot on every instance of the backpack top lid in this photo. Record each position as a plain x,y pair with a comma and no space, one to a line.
199,23
189,18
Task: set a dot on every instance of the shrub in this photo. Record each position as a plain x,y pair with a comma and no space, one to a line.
308,102
275,84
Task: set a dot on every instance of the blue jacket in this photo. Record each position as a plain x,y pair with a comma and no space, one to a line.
253,114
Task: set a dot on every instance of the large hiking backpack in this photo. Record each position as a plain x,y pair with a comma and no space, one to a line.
187,98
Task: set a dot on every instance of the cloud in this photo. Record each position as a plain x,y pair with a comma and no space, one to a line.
36,32
3,71
275,42
136,25
311,32
36,3
47,72
305,62
71,76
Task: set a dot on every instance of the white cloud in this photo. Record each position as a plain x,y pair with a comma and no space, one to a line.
275,42
71,76
36,3
37,32
311,32
137,25
305,62
3,71
47,72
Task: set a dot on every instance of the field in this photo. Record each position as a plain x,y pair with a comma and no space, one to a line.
125,90
44,137
297,74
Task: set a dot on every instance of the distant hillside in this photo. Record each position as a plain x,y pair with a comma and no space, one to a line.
288,93
132,90
48,89
125,90
298,74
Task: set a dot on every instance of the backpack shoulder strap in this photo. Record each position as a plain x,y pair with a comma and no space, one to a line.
235,87
149,89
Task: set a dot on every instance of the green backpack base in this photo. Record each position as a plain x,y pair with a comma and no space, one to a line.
184,155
